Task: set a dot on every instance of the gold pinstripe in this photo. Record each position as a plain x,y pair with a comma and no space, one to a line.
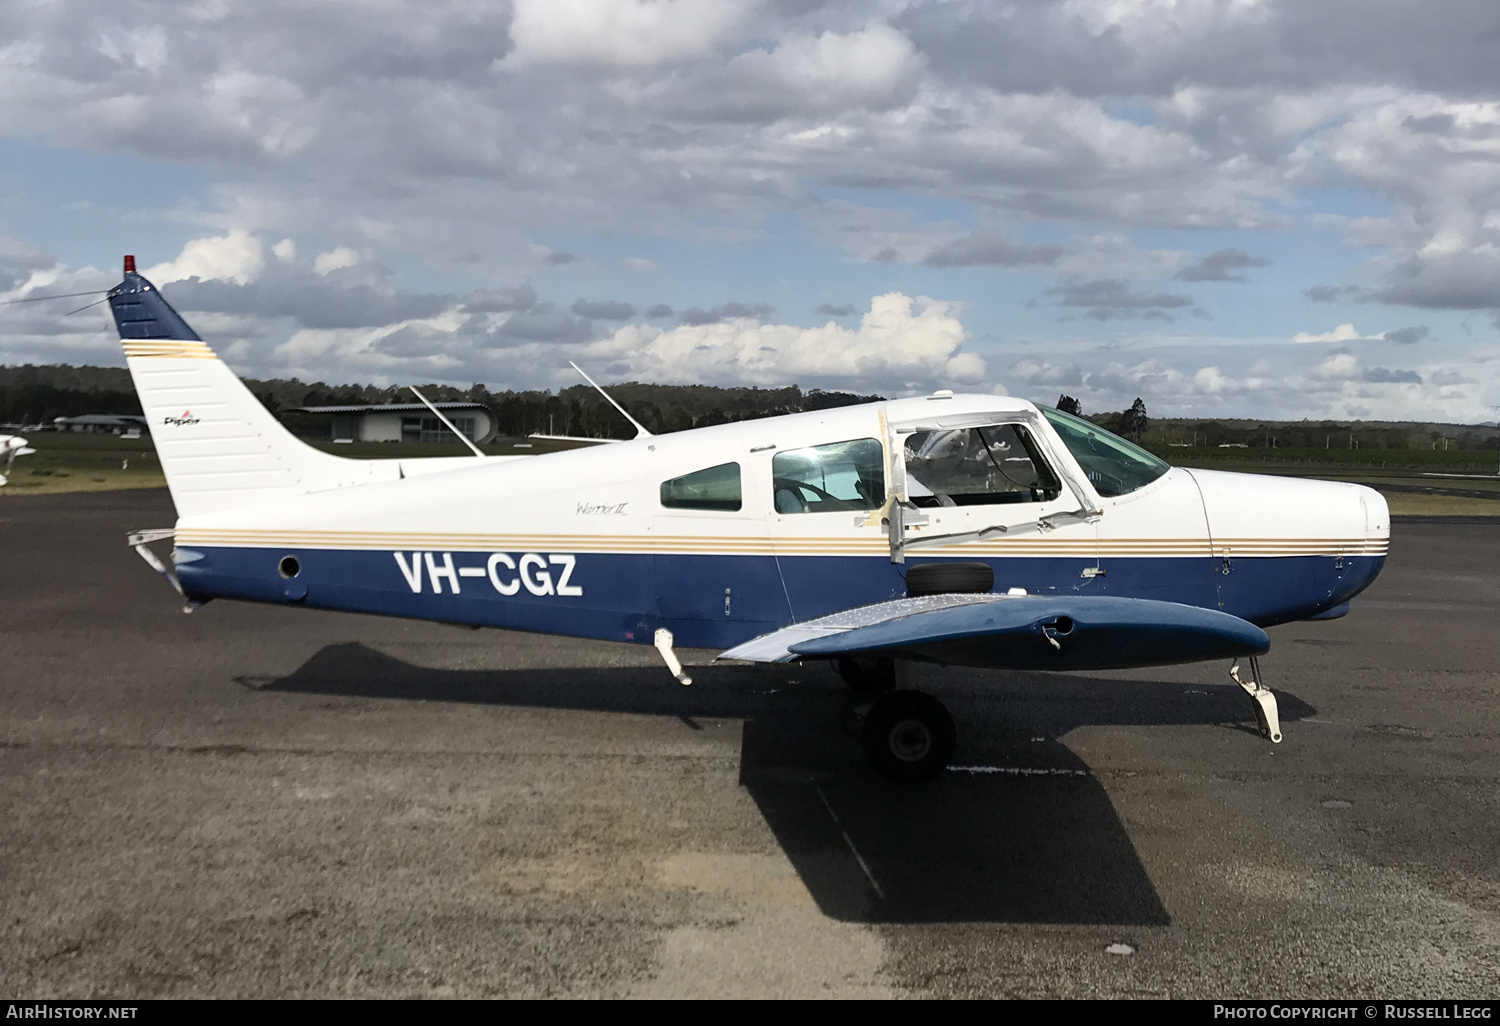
177,349
689,545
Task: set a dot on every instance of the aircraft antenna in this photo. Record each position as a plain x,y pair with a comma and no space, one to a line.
65,295
438,414
640,429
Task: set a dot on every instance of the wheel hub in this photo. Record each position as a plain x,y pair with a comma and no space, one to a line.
911,740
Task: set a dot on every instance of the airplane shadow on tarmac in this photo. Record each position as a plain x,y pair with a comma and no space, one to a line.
1019,832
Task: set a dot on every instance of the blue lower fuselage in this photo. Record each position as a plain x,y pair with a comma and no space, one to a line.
718,601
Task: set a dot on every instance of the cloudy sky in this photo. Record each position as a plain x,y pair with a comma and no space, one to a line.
1264,208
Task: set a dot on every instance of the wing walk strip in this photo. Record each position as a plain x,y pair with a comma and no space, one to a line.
1033,547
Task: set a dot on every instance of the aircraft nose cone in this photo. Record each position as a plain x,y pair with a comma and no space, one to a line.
1377,514
1347,513
1291,548
1282,513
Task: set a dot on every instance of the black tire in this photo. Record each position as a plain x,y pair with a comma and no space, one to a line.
908,736
867,675
949,578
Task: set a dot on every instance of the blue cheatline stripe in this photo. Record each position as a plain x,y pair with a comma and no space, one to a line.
1284,589
626,597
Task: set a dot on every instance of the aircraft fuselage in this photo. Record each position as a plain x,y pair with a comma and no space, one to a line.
590,542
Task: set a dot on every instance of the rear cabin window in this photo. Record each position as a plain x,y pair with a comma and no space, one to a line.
979,466
1114,466
824,478
715,488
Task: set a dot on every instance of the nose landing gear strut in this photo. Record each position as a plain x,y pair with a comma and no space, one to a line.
1265,702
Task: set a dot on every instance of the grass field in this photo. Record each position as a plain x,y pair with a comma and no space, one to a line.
1478,461
1406,504
66,462
85,463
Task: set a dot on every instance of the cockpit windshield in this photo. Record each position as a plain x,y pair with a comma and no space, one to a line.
1114,466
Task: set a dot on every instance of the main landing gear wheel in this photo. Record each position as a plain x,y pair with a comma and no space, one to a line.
908,736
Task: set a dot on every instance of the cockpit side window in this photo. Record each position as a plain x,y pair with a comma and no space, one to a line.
1114,466
978,466
821,478
714,488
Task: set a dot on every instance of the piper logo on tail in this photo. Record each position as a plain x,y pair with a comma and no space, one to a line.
186,420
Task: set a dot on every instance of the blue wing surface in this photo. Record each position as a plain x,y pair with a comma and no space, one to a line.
1023,632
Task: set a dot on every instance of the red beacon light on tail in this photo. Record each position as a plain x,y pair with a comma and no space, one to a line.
129,264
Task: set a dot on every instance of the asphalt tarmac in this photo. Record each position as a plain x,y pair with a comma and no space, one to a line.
261,802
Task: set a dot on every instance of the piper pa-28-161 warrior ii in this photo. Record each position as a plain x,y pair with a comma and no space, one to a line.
971,530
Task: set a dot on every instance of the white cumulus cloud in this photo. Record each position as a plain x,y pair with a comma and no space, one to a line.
1343,333
1212,381
617,32
1338,367
335,259
238,257
874,68
901,342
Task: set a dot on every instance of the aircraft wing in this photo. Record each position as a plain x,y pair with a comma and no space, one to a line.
1023,632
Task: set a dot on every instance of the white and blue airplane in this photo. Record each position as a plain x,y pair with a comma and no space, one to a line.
969,530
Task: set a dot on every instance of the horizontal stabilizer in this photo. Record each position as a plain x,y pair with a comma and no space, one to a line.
1023,632
573,438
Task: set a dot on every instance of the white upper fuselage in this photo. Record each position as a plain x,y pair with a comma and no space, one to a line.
607,496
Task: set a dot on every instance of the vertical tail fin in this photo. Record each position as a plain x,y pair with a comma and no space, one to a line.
218,446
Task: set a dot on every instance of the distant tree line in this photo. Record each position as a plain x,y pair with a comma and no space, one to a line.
31,395
578,410
37,394
1318,434
1162,436
1131,423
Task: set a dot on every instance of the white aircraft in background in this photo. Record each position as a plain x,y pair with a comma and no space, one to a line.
971,530
12,446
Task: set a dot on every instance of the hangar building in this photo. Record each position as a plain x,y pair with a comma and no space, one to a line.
407,422
108,423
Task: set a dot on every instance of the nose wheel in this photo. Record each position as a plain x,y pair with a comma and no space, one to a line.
908,736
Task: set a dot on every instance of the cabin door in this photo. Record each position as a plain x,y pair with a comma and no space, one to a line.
715,575
991,494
